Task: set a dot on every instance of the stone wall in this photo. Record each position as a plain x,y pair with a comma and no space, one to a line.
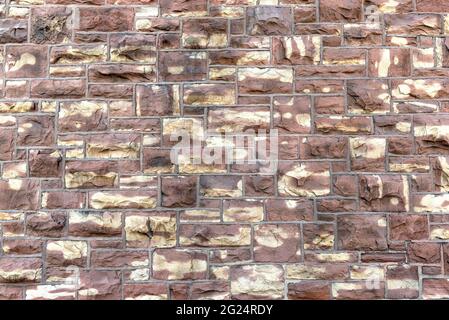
92,206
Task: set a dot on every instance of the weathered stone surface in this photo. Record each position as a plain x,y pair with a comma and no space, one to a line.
335,113
409,227
93,224
183,8
99,285
54,89
19,194
238,119
292,114
82,116
204,33
412,24
13,31
133,48
150,291
45,163
182,66
16,270
367,154
105,19
297,50
51,24
7,137
358,232
277,243
323,148
243,210
370,96
79,54
67,253
119,259
46,224
265,80
26,61
124,146
304,179
172,264
145,199
431,134
214,235
384,193
113,73
343,125
344,11
157,100
289,210
209,94
179,191
424,252
264,20
264,282
150,230
309,290
318,236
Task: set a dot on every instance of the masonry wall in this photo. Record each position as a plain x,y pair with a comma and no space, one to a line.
92,207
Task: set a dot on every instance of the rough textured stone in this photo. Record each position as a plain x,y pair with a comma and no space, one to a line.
51,25
356,232
335,113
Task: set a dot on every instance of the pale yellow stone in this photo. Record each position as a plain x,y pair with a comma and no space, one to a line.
24,60
127,150
404,284
300,172
82,178
61,71
137,229
200,215
6,216
430,87
439,234
264,281
70,249
102,200
334,257
18,12
27,274
17,106
220,272
438,203
83,54
220,73
407,167
428,58
177,269
17,170
366,272
108,220
237,120
223,97
243,214
304,272
342,286
192,126
216,40
139,275
51,292
276,74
